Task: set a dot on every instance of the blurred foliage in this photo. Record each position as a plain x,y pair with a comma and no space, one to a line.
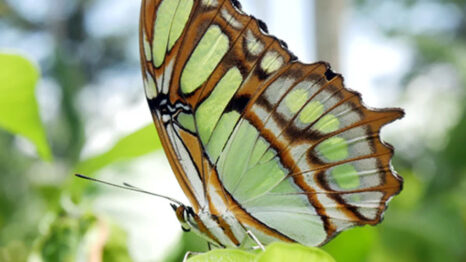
345,248
70,238
43,217
116,249
131,146
190,242
427,221
19,112
61,241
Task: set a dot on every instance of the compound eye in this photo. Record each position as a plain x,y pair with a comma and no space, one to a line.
181,214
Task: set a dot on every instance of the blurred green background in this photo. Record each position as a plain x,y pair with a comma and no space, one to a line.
82,109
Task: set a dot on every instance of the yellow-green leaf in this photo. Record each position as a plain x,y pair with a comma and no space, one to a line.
283,252
224,255
19,112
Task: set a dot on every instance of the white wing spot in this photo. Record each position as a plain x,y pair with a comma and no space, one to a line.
260,112
277,89
254,45
271,62
230,19
149,87
273,127
333,212
166,118
210,3
167,77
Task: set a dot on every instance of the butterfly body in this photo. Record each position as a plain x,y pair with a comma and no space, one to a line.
259,141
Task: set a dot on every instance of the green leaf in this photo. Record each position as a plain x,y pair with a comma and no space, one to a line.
19,112
139,143
282,252
224,255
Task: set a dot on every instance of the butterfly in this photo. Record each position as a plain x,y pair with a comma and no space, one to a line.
259,141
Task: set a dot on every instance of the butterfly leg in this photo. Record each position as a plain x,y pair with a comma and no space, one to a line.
254,238
188,254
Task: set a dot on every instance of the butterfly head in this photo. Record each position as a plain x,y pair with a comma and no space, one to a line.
186,216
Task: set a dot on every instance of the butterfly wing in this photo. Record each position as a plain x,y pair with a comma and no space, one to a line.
281,147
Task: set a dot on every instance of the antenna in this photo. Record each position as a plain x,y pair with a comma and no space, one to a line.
129,187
